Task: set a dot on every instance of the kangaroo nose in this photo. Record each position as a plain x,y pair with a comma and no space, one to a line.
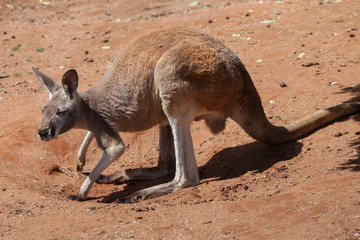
43,133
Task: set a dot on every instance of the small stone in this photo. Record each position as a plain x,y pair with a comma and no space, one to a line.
86,52
301,55
107,32
88,60
282,84
352,35
309,64
210,21
227,18
339,134
93,209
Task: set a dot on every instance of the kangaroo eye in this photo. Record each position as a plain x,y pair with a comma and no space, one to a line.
60,112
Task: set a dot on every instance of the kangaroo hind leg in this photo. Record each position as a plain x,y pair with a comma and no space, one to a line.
186,173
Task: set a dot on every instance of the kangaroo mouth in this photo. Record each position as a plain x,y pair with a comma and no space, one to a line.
47,134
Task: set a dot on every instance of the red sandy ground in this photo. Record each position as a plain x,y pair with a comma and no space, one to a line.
307,189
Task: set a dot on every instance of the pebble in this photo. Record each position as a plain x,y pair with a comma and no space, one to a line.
309,64
339,134
86,52
352,29
88,60
282,84
301,55
93,209
352,35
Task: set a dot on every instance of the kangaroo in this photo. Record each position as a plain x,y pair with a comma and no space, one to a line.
167,78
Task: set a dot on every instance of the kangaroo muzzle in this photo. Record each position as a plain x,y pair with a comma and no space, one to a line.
46,134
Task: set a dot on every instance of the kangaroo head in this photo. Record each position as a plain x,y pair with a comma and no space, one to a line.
62,111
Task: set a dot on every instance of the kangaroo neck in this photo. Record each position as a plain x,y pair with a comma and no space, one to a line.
86,113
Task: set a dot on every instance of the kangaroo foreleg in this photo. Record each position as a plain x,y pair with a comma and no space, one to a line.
166,163
82,151
110,154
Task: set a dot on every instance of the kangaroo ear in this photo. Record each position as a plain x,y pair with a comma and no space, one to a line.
70,83
50,85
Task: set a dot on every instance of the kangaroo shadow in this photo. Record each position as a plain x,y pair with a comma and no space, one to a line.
226,164
256,157
353,163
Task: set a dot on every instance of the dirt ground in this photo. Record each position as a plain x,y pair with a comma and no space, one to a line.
306,189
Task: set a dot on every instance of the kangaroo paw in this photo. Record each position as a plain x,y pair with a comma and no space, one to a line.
79,167
117,177
152,192
108,179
